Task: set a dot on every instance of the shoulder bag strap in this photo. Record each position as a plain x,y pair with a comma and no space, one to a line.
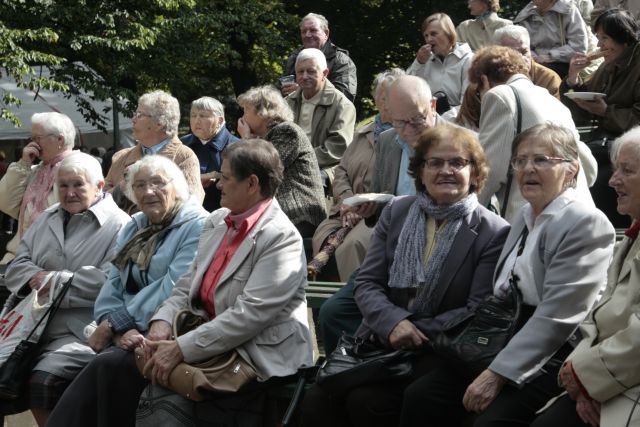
51,310
503,208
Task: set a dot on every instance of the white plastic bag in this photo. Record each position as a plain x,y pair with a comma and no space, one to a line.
17,323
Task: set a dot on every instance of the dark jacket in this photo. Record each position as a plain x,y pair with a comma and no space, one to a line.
300,195
210,158
342,70
465,280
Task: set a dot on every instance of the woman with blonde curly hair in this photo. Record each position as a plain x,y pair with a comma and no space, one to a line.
268,116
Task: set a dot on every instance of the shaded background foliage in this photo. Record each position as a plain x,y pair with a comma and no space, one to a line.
119,49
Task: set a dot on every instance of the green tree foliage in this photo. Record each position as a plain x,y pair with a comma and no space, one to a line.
119,49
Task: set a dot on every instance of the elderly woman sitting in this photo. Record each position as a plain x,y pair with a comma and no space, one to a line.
601,375
618,78
208,139
557,253
76,238
154,250
442,61
27,189
246,284
155,127
301,196
430,259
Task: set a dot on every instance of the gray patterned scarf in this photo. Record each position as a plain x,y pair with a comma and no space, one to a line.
408,268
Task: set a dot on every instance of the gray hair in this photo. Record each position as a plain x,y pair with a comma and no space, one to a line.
561,140
516,32
324,24
57,124
207,103
159,165
268,104
313,54
630,137
386,77
164,109
82,164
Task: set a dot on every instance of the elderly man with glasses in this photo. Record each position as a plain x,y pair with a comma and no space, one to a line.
155,127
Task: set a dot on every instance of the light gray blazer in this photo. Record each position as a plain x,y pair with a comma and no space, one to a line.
260,304
574,250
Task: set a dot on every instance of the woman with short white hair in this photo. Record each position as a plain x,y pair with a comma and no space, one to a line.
208,139
75,238
155,127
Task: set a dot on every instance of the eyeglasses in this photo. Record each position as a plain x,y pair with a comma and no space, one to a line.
38,138
437,164
539,161
139,114
416,121
154,184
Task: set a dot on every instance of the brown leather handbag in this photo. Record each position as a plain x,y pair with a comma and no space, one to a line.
224,373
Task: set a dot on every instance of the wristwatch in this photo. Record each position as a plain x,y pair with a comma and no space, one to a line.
110,325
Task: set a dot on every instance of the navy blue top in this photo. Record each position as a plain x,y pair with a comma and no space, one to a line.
210,158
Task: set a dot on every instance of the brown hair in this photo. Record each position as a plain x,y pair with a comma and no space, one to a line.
498,63
443,134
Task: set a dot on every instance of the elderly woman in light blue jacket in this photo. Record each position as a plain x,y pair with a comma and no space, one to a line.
154,250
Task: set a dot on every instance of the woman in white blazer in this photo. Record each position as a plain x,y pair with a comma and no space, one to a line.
601,375
557,252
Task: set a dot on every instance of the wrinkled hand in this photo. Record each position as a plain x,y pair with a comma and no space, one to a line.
579,62
365,210
597,106
289,88
101,337
482,391
159,330
166,356
588,410
568,381
243,129
405,336
348,217
30,152
209,178
424,53
130,340
37,281
543,59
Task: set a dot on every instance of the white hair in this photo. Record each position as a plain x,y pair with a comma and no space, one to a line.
516,32
82,164
630,137
207,103
324,24
313,54
159,165
386,77
57,124
163,108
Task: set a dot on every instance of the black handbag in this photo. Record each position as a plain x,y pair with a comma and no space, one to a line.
473,341
357,361
15,371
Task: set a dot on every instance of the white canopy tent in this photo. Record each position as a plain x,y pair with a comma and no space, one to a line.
87,134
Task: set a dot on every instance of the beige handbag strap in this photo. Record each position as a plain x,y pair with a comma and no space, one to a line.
563,39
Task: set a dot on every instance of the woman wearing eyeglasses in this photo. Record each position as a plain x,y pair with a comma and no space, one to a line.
153,251
557,252
430,259
155,128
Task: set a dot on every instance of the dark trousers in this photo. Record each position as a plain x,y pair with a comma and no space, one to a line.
104,394
372,405
339,314
561,414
